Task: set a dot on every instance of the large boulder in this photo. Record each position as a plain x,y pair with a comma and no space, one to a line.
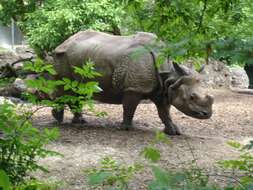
218,75
7,57
239,77
214,75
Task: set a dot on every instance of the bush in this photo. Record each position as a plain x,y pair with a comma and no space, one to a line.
21,145
28,185
243,166
112,175
191,177
78,94
55,21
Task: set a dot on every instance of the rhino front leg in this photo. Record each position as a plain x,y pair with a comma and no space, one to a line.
130,103
164,114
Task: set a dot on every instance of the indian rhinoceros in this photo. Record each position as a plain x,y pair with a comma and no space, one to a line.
127,79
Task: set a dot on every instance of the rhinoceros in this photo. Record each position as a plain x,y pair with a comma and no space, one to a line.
127,79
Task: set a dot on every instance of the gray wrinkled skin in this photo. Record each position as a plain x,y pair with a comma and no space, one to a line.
129,75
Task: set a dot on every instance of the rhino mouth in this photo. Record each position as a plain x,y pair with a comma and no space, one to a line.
201,114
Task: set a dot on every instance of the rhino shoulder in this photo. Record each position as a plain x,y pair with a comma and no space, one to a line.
138,75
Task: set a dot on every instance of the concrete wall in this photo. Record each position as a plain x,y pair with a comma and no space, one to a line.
5,36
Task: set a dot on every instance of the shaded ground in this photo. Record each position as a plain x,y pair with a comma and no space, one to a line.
84,146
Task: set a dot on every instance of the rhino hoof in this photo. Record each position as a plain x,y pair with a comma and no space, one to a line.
126,127
171,131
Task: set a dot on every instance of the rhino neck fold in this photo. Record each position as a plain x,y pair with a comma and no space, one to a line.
159,78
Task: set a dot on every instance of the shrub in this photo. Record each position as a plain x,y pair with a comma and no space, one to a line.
28,185
21,144
55,21
243,166
191,177
112,175
78,94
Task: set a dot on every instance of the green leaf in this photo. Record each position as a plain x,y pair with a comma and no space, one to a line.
152,154
162,137
98,178
234,144
4,180
161,181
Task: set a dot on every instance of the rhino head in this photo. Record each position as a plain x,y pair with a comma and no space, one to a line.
187,95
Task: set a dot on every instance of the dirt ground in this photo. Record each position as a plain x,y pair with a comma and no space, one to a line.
85,146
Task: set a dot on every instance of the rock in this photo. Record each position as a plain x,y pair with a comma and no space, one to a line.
215,75
239,77
10,100
24,52
5,100
9,57
18,66
20,85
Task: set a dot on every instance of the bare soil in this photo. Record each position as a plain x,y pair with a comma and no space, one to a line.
205,140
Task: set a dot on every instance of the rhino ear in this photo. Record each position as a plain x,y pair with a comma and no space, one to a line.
179,69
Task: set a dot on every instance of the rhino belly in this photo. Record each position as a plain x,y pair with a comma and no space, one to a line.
109,97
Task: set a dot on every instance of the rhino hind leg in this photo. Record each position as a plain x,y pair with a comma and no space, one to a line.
78,118
58,115
130,103
163,112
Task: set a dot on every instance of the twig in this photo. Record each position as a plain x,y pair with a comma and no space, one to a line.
228,177
31,114
202,16
21,60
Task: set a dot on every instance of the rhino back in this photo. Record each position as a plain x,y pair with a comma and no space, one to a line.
114,57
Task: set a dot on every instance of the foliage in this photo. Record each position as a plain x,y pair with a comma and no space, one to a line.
77,93
150,152
243,165
4,82
48,23
4,180
28,185
197,28
234,51
21,144
17,9
190,177
112,175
